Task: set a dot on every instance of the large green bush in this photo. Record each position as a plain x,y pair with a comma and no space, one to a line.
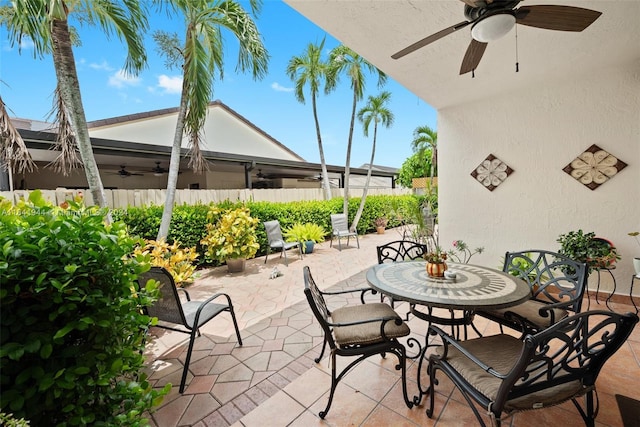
72,328
189,222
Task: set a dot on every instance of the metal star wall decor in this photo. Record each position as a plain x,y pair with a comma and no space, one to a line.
491,172
594,167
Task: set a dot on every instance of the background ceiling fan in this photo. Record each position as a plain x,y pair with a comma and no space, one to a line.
492,19
123,173
158,170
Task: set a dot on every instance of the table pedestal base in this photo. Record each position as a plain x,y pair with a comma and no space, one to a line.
465,320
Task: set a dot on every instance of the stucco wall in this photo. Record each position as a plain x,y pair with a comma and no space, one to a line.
537,132
223,132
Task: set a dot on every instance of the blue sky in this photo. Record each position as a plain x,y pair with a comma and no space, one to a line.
27,84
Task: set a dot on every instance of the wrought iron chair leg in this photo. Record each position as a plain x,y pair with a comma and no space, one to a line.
324,346
334,384
286,262
402,364
267,255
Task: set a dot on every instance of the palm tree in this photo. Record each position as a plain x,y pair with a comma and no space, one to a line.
375,111
46,23
309,69
345,60
425,138
200,57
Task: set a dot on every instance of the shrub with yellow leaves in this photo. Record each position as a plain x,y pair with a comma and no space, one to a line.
178,261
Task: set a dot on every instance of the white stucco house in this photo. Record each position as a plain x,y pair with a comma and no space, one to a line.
573,90
133,152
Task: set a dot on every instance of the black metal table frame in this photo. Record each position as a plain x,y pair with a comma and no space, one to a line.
453,321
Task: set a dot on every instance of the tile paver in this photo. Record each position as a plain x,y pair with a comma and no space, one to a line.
272,379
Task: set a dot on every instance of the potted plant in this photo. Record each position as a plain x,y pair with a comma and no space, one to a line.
380,223
231,237
636,260
307,234
586,247
436,262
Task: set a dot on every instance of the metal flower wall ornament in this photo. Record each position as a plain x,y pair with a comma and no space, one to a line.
594,167
491,172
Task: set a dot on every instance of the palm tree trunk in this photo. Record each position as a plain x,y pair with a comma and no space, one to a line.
434,159
174,168
365,190
323,165
65,67
347,172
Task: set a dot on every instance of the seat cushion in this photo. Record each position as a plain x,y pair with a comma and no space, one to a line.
501,352
530,310
209,311
367,333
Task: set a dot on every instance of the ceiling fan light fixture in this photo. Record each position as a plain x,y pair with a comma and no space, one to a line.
493,27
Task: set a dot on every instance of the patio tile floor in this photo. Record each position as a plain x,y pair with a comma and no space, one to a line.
272,380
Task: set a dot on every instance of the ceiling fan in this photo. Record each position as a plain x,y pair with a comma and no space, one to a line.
157,171
123,173
492,19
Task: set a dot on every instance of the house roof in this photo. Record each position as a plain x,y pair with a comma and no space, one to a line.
121,120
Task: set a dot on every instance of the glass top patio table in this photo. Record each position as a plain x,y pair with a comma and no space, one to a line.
475,287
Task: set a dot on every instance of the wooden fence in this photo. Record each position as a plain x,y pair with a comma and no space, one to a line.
138,198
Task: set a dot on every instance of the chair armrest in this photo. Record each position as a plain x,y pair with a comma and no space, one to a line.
362,291
448,340
185,292
207,301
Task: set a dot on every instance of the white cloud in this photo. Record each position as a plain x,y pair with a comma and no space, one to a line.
276,86
104,65
26,43
170,84
121,79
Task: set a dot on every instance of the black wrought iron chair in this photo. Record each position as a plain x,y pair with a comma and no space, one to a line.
398,251
357,330
340,229
504,374
190,315
276,241
557,286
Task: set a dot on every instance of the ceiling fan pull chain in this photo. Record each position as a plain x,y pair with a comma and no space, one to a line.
517,64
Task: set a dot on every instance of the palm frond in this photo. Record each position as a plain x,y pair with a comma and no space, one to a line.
13,151
68,156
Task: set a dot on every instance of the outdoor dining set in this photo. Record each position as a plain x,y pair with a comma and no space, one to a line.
553,353
549,351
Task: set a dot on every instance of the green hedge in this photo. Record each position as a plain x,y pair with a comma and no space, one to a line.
188,223
72,328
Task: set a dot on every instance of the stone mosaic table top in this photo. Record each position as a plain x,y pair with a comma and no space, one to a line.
475,287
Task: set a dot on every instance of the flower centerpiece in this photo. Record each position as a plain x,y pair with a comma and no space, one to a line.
461,252
436,262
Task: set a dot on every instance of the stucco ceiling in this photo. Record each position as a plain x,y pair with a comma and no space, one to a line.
377,29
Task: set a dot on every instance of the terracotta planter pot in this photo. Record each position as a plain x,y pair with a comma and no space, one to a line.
436,270
380,230
236,265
